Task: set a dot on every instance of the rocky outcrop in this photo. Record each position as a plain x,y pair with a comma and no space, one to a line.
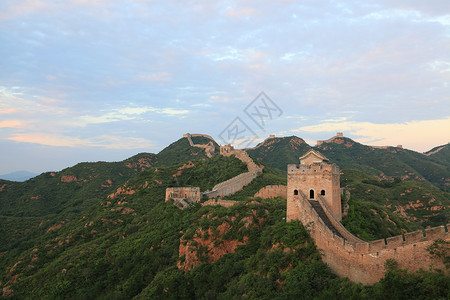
203,247
208,244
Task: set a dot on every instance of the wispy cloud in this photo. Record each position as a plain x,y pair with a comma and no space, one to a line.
414,135
161,76
10,124
102,141
77,69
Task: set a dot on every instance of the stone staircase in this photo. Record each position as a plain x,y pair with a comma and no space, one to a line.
318,208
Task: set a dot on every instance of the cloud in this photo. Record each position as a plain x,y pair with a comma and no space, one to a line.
102,141
237,13
161,76
7,111
417,135
10,124
127,114
341,119
19,7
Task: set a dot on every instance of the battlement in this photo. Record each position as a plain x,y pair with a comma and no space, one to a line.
198,135
209,148
314,177
313,168
362,261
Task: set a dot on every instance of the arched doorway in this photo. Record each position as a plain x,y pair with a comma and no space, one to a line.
295,192
311,194
322,192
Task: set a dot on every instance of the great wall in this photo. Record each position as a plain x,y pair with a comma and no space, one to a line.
341,135
313,196
209,148
183,195
347,255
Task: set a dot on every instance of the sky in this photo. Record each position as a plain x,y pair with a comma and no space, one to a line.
102,80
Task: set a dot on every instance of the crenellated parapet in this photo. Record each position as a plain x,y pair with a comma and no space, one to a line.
362,261
347,255
209,148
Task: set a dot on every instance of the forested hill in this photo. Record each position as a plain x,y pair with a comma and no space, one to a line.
278,152
440,154
103,230
76,188
70,190
386,163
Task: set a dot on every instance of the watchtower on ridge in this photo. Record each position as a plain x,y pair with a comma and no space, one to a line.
315,179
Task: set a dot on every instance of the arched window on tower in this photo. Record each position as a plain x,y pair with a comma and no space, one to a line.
295,192
322,192
311,194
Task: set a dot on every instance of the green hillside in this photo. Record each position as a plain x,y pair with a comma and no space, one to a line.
127,246
278,152
181,151
71,190
391,162
384,208
440,154
103,230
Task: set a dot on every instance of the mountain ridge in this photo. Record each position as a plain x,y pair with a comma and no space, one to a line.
121,239
20,176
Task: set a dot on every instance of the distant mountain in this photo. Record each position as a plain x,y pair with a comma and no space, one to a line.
76,188
71,190
384,162
279,151
181,151
440,154
18,176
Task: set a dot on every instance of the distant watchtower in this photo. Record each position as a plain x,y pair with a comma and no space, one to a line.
314,178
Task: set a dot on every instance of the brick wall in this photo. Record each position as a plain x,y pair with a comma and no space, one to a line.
272,191
238,182
224,203
364,261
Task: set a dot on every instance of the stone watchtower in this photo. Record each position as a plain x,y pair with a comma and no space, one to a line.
314,179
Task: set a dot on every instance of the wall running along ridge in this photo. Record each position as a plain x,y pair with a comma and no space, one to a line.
209,148
347,255
225,188
220,202
238,182
272,191
363,261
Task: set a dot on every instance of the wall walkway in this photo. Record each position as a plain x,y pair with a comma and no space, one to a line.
362,261
209,148
238,182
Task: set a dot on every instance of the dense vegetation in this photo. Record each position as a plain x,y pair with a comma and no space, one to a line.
347,154
440,154
180,151
384,208
279,152
109,234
